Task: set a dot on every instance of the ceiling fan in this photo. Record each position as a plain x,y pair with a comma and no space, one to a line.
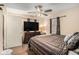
41,11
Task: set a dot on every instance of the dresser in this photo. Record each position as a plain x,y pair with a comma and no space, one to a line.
28,35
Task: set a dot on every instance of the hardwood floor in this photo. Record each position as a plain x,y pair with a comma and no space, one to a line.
21,50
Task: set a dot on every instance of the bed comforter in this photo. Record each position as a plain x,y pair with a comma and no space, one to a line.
47,45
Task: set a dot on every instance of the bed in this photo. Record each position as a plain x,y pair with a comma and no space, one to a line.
47,45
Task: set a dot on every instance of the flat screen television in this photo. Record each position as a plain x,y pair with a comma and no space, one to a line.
31,26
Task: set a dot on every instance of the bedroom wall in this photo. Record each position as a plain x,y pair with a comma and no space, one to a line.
13,32
42,22
70,23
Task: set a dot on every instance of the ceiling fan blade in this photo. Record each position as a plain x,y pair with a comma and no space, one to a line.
49,10
1,8
1,4
31,12
44,14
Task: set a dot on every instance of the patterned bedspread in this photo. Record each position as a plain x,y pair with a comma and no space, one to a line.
47,45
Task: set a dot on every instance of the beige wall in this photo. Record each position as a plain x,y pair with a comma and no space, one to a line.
70,23
1,33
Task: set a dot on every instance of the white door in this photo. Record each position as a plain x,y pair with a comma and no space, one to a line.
1,33
13,31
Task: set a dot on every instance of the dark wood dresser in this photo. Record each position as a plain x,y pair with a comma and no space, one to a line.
28,35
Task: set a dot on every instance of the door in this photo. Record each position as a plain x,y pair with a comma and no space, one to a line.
13,31
1,32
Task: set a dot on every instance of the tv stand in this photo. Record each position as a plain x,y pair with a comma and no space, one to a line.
28,35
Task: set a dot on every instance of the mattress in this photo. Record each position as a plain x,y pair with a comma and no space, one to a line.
47,45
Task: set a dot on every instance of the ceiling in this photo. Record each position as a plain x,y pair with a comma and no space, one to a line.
31,6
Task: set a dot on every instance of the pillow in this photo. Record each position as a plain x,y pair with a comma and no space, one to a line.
76,50
72,41
67,38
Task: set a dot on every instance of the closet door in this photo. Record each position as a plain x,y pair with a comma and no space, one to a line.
13,31
1,33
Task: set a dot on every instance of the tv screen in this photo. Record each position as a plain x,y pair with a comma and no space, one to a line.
31,26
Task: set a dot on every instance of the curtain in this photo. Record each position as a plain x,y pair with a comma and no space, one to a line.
55,26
